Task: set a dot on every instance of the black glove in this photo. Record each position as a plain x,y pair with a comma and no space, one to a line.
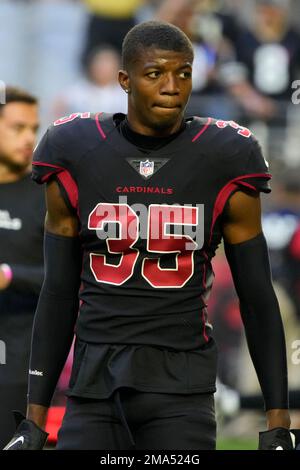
276,439
28,435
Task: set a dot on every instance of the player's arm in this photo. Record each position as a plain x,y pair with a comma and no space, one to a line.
247,255
58,303
55,316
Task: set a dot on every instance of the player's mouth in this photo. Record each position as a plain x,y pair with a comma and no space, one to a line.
164,106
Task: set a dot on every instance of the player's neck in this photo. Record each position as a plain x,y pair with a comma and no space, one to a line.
146,142
7,175
143,130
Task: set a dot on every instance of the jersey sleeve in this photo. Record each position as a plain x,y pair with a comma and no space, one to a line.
50,160
241,166
255,171
244,166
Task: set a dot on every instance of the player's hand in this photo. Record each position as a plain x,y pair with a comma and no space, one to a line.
28,435
276,439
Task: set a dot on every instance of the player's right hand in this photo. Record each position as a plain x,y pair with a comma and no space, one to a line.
28,435
276,439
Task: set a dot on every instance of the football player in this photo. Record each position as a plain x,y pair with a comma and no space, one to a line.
137,205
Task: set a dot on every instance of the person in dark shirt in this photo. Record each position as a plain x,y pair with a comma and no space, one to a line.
22,212
268,54
136,211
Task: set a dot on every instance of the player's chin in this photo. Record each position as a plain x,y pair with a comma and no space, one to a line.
165,117
164,111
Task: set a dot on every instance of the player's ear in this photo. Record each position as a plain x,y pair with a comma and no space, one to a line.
124,80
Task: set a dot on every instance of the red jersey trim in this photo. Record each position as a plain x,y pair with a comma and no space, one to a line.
227,190
202,130
66,180
100,130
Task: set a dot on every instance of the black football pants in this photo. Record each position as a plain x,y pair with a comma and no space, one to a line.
131,419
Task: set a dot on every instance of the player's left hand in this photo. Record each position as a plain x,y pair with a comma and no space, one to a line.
28,435
276,439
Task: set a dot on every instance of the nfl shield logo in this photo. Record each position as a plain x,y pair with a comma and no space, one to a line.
146,168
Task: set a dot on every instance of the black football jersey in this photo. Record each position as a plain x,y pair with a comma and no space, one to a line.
22,213
150,225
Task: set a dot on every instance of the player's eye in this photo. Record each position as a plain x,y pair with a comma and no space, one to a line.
185,74
153,74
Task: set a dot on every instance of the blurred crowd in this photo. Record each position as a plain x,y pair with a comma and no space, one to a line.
247,62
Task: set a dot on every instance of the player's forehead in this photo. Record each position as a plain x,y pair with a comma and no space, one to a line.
151,56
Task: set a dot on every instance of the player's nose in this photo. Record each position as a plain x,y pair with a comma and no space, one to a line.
170,85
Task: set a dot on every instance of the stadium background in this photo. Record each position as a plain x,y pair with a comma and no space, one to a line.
67,52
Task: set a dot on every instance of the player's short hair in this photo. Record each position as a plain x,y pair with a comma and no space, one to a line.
12,94
158,34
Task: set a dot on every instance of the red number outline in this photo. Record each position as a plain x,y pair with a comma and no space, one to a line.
94,257
184,265
190,253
